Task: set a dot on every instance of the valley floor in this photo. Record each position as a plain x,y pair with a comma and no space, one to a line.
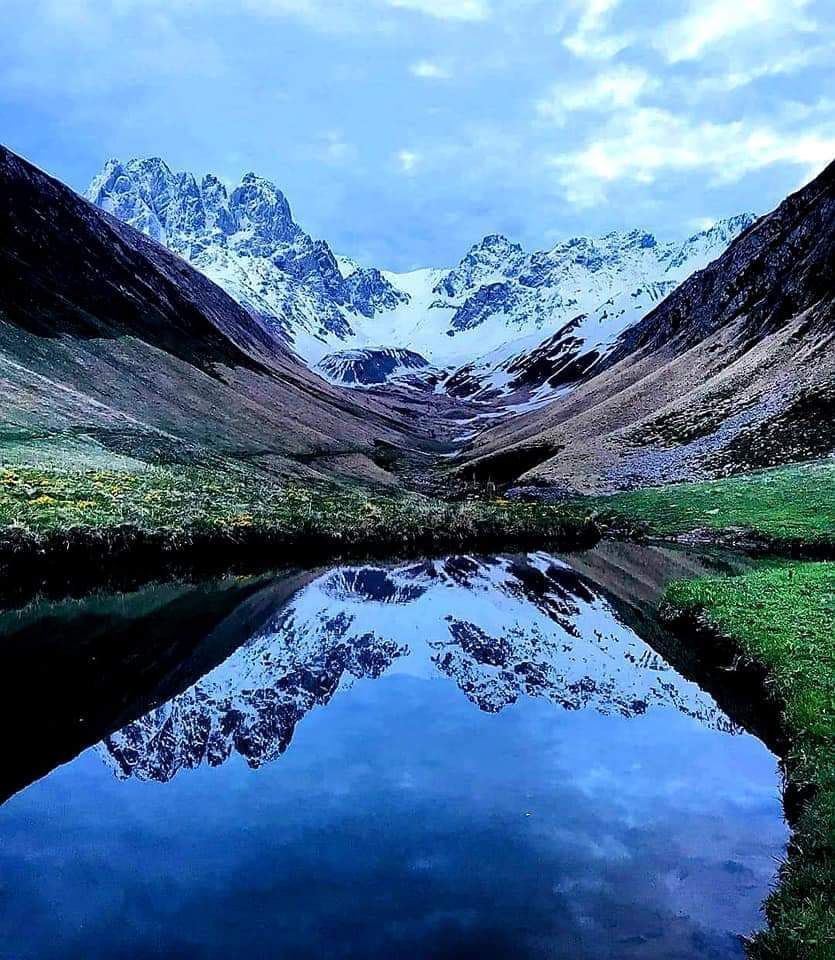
79,513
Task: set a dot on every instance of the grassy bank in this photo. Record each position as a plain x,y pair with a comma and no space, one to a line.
789,508
63,517
782,616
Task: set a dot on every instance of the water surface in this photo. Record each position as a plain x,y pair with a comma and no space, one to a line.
467,757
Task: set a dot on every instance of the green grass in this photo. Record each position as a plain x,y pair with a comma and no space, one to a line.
782,615
789,504
50,509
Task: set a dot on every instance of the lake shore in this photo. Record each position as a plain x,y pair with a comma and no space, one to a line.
777,623
71,528
774,626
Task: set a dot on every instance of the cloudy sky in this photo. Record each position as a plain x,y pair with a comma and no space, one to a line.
404,130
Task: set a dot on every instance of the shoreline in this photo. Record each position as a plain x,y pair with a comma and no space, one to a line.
80,561
780,682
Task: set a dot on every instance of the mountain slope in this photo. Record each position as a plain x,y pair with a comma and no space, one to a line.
106,335
734,370
587,292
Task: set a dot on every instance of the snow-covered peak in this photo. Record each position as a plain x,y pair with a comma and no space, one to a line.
346,265
247,241
497,303
713,238
569,305
490,260
262,208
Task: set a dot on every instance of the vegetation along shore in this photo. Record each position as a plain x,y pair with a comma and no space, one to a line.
779,621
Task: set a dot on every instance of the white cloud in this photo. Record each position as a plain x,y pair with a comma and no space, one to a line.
742,76
408,161
446,9
710,22
701,223
430,70
590,37
612,89
336,150
318,10
647,143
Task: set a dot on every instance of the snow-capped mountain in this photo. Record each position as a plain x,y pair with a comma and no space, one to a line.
500,321
498,629
583,294
247,241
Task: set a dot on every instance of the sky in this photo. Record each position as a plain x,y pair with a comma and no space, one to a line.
402,131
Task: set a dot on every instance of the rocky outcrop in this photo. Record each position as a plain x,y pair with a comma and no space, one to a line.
370,366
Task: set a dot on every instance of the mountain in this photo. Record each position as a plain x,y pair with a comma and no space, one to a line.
485,325
586,292
247,242
734,370
370,366
106,337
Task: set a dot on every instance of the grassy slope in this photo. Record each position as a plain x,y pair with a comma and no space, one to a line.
783,616
788,504
45,507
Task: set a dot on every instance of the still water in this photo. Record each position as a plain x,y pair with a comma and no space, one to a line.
465,757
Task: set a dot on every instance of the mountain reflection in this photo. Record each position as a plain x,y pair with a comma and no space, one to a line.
498,628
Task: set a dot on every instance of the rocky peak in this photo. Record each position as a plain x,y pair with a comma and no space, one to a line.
712,240
371,292
218,216
262,208
246,240
492,259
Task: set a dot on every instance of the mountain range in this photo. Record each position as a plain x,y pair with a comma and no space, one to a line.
177,320
477,325
110,339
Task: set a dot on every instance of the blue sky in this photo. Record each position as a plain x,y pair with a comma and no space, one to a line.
404,130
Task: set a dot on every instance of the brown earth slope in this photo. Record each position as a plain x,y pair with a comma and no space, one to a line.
734,370
108,337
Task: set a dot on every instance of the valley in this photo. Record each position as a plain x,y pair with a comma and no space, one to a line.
194,387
